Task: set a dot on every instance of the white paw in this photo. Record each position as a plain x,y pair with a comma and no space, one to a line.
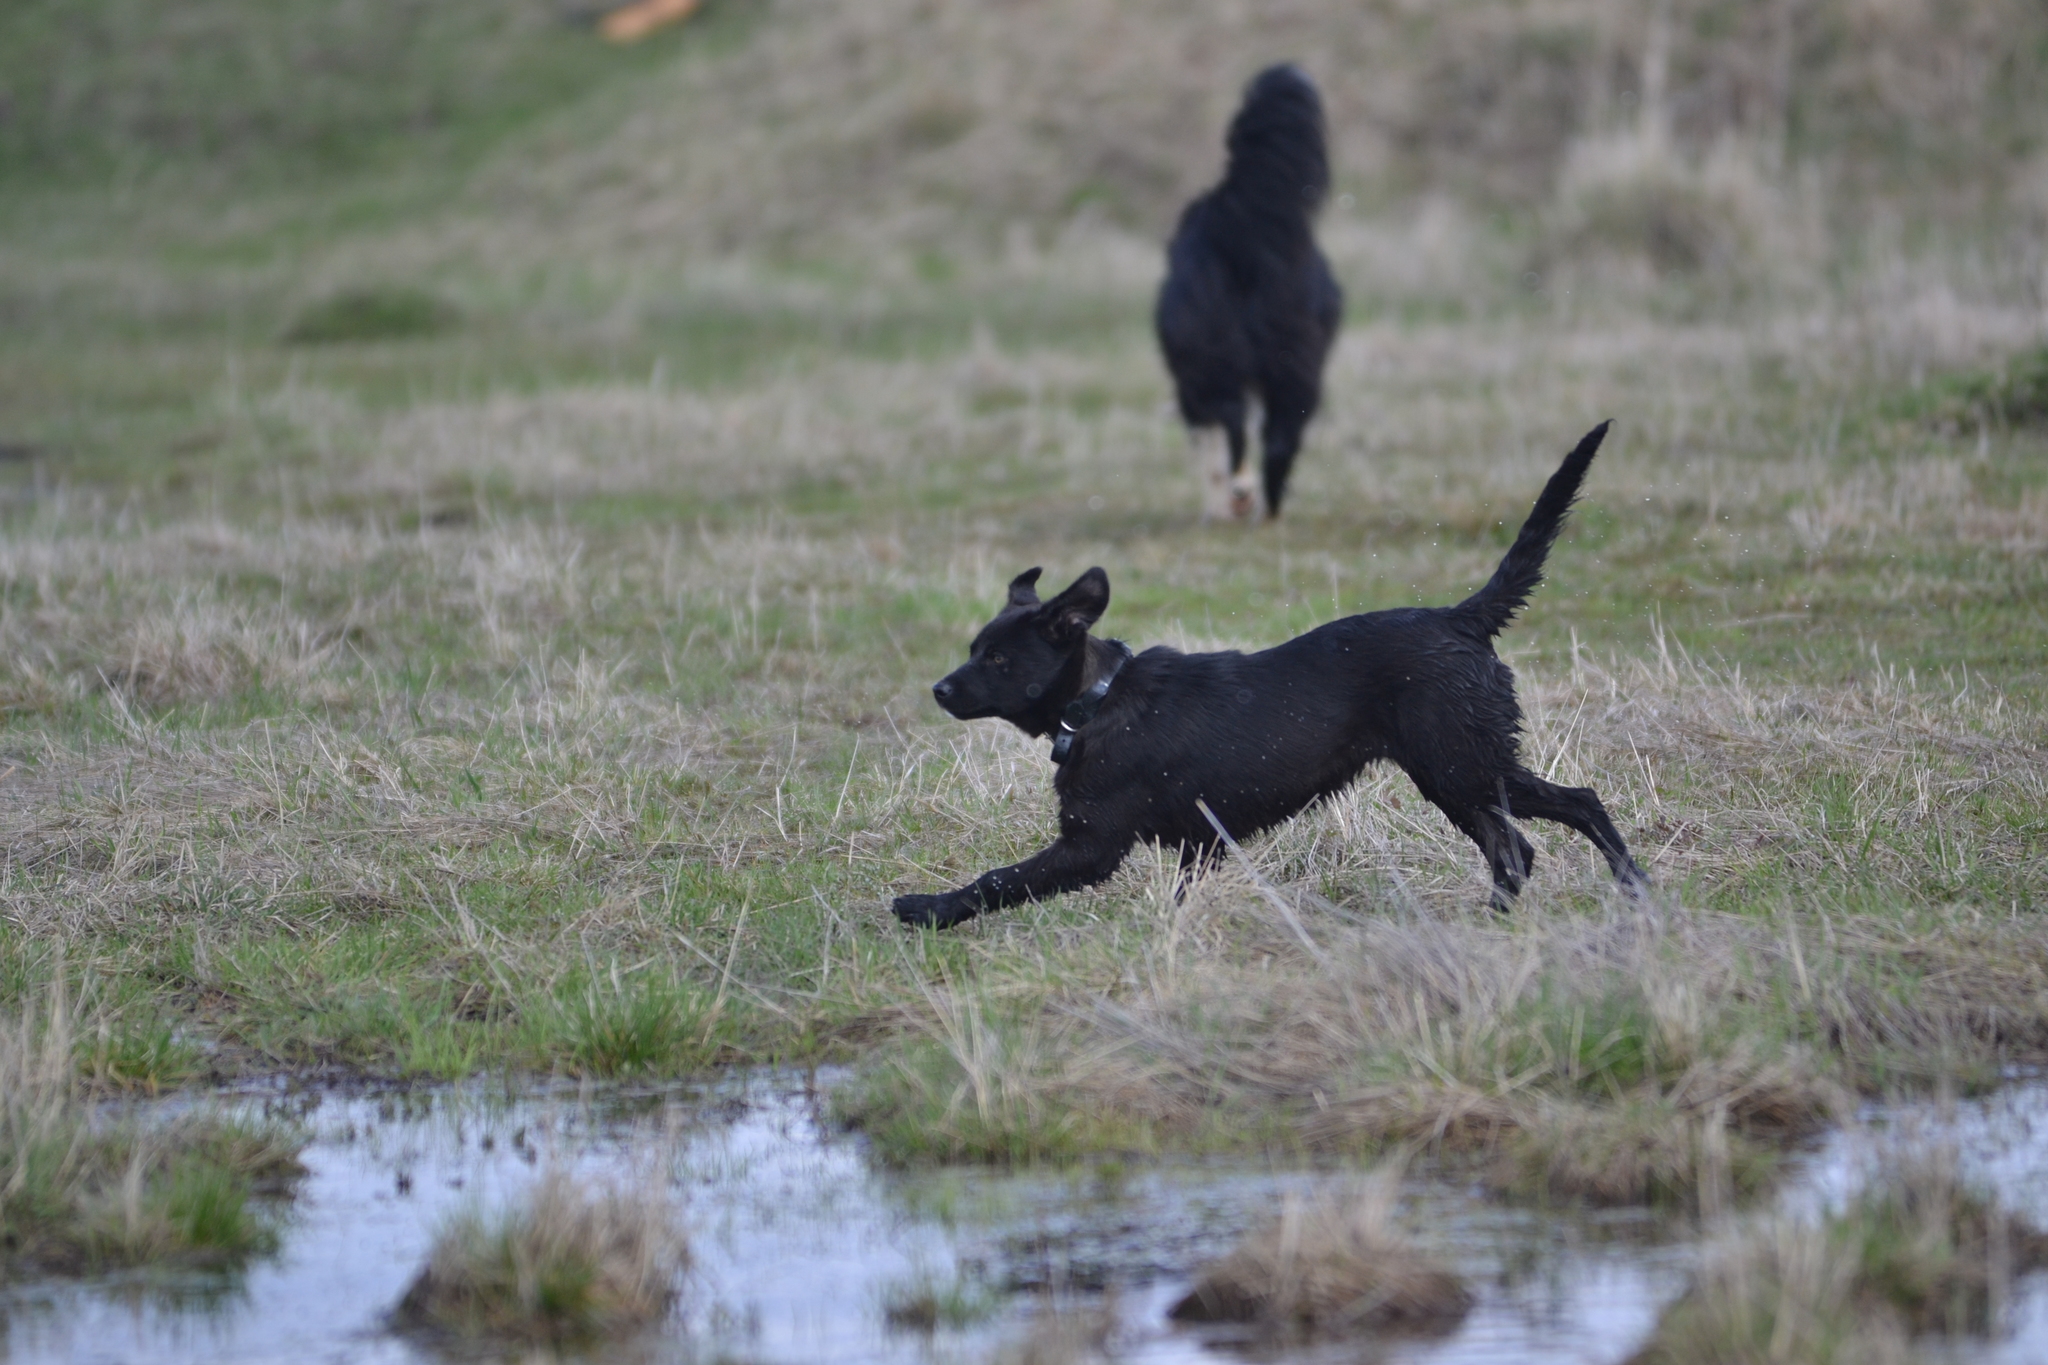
1244,496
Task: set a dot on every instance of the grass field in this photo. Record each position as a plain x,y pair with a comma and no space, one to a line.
538,681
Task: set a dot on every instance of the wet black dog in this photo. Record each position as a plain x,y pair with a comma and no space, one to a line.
1260,737
1249,305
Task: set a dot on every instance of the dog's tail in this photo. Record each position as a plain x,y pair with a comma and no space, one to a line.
1521,569
1279,161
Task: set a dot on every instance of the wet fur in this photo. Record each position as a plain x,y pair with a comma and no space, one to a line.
1260,737
1249,306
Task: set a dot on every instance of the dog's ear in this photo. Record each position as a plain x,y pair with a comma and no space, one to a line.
1069,615
1023,588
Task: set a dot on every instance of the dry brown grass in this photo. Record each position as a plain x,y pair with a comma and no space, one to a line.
1598,1059
1331,1265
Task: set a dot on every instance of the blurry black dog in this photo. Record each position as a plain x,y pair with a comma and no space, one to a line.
1249,305
1260,737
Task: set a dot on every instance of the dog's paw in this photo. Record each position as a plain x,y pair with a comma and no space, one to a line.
932,912
1244,497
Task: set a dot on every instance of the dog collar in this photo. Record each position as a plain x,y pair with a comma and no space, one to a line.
1082,709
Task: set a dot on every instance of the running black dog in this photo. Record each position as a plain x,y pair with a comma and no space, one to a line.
1249,305
1260,737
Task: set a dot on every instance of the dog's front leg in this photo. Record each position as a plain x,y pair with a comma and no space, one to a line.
1068,865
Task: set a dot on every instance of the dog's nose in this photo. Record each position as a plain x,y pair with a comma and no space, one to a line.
942,690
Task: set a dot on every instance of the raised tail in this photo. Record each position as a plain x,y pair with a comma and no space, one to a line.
1521,569
1279,155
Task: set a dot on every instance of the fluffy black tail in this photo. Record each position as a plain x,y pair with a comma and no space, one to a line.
1521,569
1278,160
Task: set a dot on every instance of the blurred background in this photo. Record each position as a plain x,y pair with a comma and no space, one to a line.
214,167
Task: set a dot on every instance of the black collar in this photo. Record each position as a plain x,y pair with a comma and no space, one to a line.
1082,709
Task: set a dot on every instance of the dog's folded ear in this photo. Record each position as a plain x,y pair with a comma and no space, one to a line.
1079,607
1024,588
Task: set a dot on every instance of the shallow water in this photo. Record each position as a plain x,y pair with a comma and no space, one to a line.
799,1240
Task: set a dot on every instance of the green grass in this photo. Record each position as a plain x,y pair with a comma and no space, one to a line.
2014,393
150,1057
371,314
293,91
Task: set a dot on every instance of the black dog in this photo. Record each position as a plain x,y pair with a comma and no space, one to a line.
1260,737
1249,304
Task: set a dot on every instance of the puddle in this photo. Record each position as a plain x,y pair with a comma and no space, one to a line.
2001,1142
799,1240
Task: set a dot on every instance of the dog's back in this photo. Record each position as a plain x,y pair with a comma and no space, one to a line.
1249,304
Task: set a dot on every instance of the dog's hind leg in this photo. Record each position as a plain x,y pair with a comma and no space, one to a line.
1289,405
1530,797
1508,855
1243,502
1244,488
1212,403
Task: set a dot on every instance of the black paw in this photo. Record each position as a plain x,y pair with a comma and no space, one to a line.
934,912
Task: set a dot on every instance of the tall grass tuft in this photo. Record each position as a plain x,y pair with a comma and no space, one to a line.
624,1028
1330,1266
566,1264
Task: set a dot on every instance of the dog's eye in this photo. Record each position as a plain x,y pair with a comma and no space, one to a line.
996,660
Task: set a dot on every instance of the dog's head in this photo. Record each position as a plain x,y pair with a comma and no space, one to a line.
1026,664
